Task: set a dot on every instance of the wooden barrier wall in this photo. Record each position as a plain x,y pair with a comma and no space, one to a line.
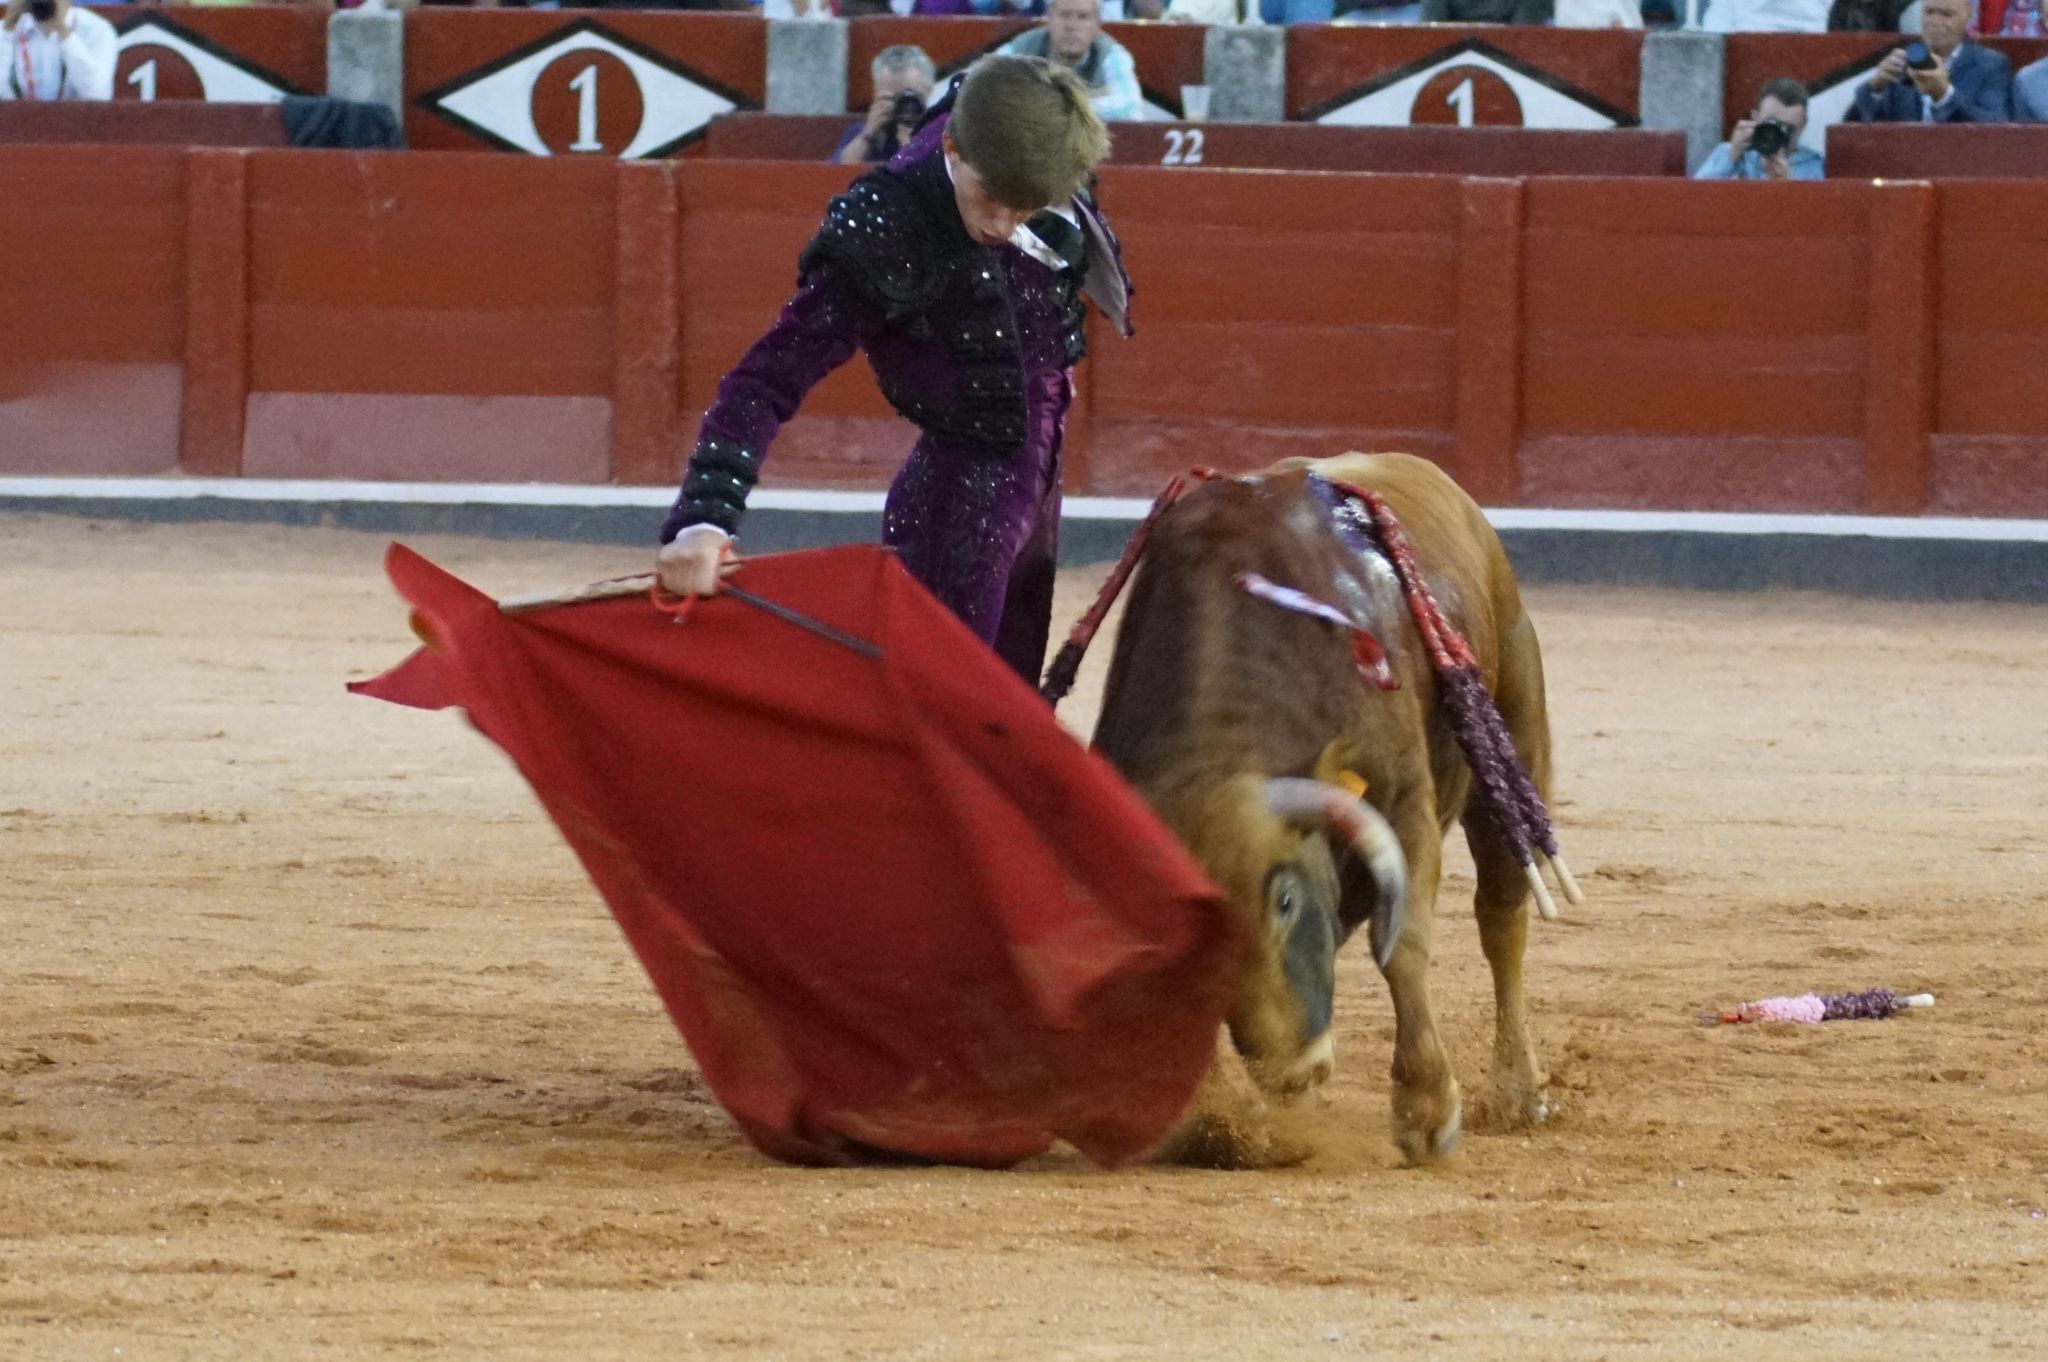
1279,146
1626,343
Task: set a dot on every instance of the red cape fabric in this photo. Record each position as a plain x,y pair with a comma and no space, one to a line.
890,904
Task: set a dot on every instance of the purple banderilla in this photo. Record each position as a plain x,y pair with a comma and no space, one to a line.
1510,798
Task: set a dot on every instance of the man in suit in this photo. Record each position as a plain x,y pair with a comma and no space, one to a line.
1966,84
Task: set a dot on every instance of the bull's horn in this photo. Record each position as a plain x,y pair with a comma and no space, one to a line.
1365,830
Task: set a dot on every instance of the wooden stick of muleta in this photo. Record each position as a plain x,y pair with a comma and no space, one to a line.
578,595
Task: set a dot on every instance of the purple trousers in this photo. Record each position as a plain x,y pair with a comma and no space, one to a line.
982,534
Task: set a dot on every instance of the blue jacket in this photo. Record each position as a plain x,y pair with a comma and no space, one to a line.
1981,93
2030,93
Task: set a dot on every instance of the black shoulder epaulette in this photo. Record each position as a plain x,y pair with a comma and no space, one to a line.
889,241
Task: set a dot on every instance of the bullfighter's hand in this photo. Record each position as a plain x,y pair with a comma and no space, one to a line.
15,9
1890,71
692,562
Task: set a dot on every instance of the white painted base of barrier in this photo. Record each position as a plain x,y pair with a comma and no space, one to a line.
313,491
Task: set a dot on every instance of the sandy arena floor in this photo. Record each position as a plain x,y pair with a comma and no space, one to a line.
316,1044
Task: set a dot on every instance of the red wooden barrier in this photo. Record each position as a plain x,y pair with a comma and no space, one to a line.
236,54
93,285
1938,151
1685,344
169,122
1990,449
1836,347
606,83
1526,77
1279,146
430,317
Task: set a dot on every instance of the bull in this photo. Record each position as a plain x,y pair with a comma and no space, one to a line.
1315,801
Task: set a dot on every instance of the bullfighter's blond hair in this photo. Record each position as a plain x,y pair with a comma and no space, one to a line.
1026,127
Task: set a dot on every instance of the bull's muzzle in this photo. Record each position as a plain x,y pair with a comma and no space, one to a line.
1366,831
1310,1070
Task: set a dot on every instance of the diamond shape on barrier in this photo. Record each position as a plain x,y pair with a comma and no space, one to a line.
159,60
583,89
1466,84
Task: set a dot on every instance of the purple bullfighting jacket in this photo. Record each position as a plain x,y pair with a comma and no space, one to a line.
973,344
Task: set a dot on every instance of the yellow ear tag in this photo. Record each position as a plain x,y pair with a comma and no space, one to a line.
1353,782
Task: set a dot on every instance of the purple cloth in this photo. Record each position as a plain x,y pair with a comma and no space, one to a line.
944,8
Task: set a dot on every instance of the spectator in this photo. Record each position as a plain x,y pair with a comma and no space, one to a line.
1072,37
2011,18
57,50
1774,126
1766,16
2030,93
1964,83
903,77
1486,11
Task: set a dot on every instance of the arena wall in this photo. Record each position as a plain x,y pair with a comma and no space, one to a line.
1557,342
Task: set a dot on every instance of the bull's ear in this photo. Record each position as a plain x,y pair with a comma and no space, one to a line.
1338,765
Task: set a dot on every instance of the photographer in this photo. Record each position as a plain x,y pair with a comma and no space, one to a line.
903,77
1945,79
1765,145
56,50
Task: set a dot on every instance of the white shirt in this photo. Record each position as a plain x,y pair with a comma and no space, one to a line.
1766,16
40,66
1599,14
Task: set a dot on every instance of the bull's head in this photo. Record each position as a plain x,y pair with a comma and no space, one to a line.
1274,847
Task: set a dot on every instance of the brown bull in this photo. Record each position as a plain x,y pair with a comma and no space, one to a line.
1221,706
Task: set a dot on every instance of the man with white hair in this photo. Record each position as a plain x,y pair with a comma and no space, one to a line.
1944,79
1072,36
903,77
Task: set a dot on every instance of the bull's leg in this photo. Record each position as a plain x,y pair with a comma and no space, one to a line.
1501,901
1501,905
1427,1118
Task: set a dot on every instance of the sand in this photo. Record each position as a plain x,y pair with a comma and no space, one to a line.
316,1044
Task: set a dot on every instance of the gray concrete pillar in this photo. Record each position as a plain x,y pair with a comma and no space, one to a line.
807,66
366,57
1684,76
1246,67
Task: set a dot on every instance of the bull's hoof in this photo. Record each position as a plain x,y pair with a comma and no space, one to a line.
1424,1141
1509,1105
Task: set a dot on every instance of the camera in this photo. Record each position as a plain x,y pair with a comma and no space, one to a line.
1770,137
1918,58
909,107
